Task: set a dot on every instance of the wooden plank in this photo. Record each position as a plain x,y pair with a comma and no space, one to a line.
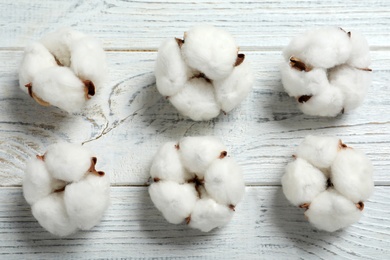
128,121
264,226
142,25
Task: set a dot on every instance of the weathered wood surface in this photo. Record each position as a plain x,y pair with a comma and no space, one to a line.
141,25
264,226
128,120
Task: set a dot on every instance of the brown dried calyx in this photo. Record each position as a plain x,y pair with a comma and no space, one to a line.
297,64
92,168
342,145
360,205
304,98
180,42
89,89
39,100
305,206
203,76
240,59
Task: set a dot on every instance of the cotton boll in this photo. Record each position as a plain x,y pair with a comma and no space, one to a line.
352,175
175,201
88,60
210,50
352,82
360,54
322,48
68,162
170,70
224,182
327,103
331,211
37,181
167,164
196,100
208,214
319,150
302,182
51,215
61,88
35,58
59,42
234,88
87,200
298,83
197,153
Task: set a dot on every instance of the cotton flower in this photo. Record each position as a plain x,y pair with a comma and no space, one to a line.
63,69
203,73
327,71
330,180
194,181
65,191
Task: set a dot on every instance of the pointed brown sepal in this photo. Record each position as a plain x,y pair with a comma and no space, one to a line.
232,207
156,179
329,183
222,155
40,101
342,111
298,64
360,205
93,163
180,42
98,173
304,205
41,157
188,219
89,89
304,98
294,156
177,146
342,145
29,88
167,97
60,190
58,61
240,59
365,69
224,113
349,34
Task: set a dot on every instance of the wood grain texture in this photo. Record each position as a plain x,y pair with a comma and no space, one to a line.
129,120
141,25
264,225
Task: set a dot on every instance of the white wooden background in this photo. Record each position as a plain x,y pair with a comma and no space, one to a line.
128,120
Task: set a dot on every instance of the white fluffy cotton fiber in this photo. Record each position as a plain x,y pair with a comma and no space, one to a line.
63,69
196,182
65,190
330,180
203,74
327,71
